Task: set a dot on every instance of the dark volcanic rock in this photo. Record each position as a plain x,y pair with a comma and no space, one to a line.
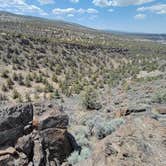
54,121
22,143
56,145
12,123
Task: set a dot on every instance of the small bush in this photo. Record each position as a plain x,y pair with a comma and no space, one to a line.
107,127
27,97
49,88
75,157
9,83
16,94
90,99
160,97
101,126
3,97
81,136
5,74
15,77
20,79
54,78
27,81
4,88
56,95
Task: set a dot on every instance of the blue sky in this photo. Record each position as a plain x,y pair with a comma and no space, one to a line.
122,15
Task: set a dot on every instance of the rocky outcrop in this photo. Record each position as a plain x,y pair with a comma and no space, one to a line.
12,123
56,145
26,139
53,119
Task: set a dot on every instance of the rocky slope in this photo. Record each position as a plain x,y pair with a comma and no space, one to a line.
140,141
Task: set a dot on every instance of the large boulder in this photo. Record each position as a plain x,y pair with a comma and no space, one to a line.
56,145
53,121
12,123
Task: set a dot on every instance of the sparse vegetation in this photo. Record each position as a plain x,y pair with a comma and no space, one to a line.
160,97
16,94
90,99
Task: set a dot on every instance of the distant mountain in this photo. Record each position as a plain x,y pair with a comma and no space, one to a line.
7,16
146,36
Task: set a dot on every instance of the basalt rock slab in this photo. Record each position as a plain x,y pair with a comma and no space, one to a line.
12,123
56,145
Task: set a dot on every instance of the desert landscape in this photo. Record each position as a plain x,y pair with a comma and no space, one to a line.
75,96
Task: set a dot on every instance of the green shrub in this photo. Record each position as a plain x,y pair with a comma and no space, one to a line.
54,78
27,81
56,94
5,74
15,77
4,88
16,94
20,79
75,157
90,99
107,127
81,136
49,88
3,97
27,97
160,97
9,83
38,78
101,126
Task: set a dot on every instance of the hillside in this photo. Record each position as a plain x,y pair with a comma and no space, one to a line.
40,56
105,83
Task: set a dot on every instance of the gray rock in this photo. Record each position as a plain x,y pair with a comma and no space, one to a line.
25,144
10,160
54,121
38,154
7,160
12,123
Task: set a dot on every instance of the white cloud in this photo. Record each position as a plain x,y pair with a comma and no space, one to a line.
72,11
107,3
74,1
70,15
91,11
129,2
111,10
20,6
102,3
45,2
158,9
59,11
140,16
